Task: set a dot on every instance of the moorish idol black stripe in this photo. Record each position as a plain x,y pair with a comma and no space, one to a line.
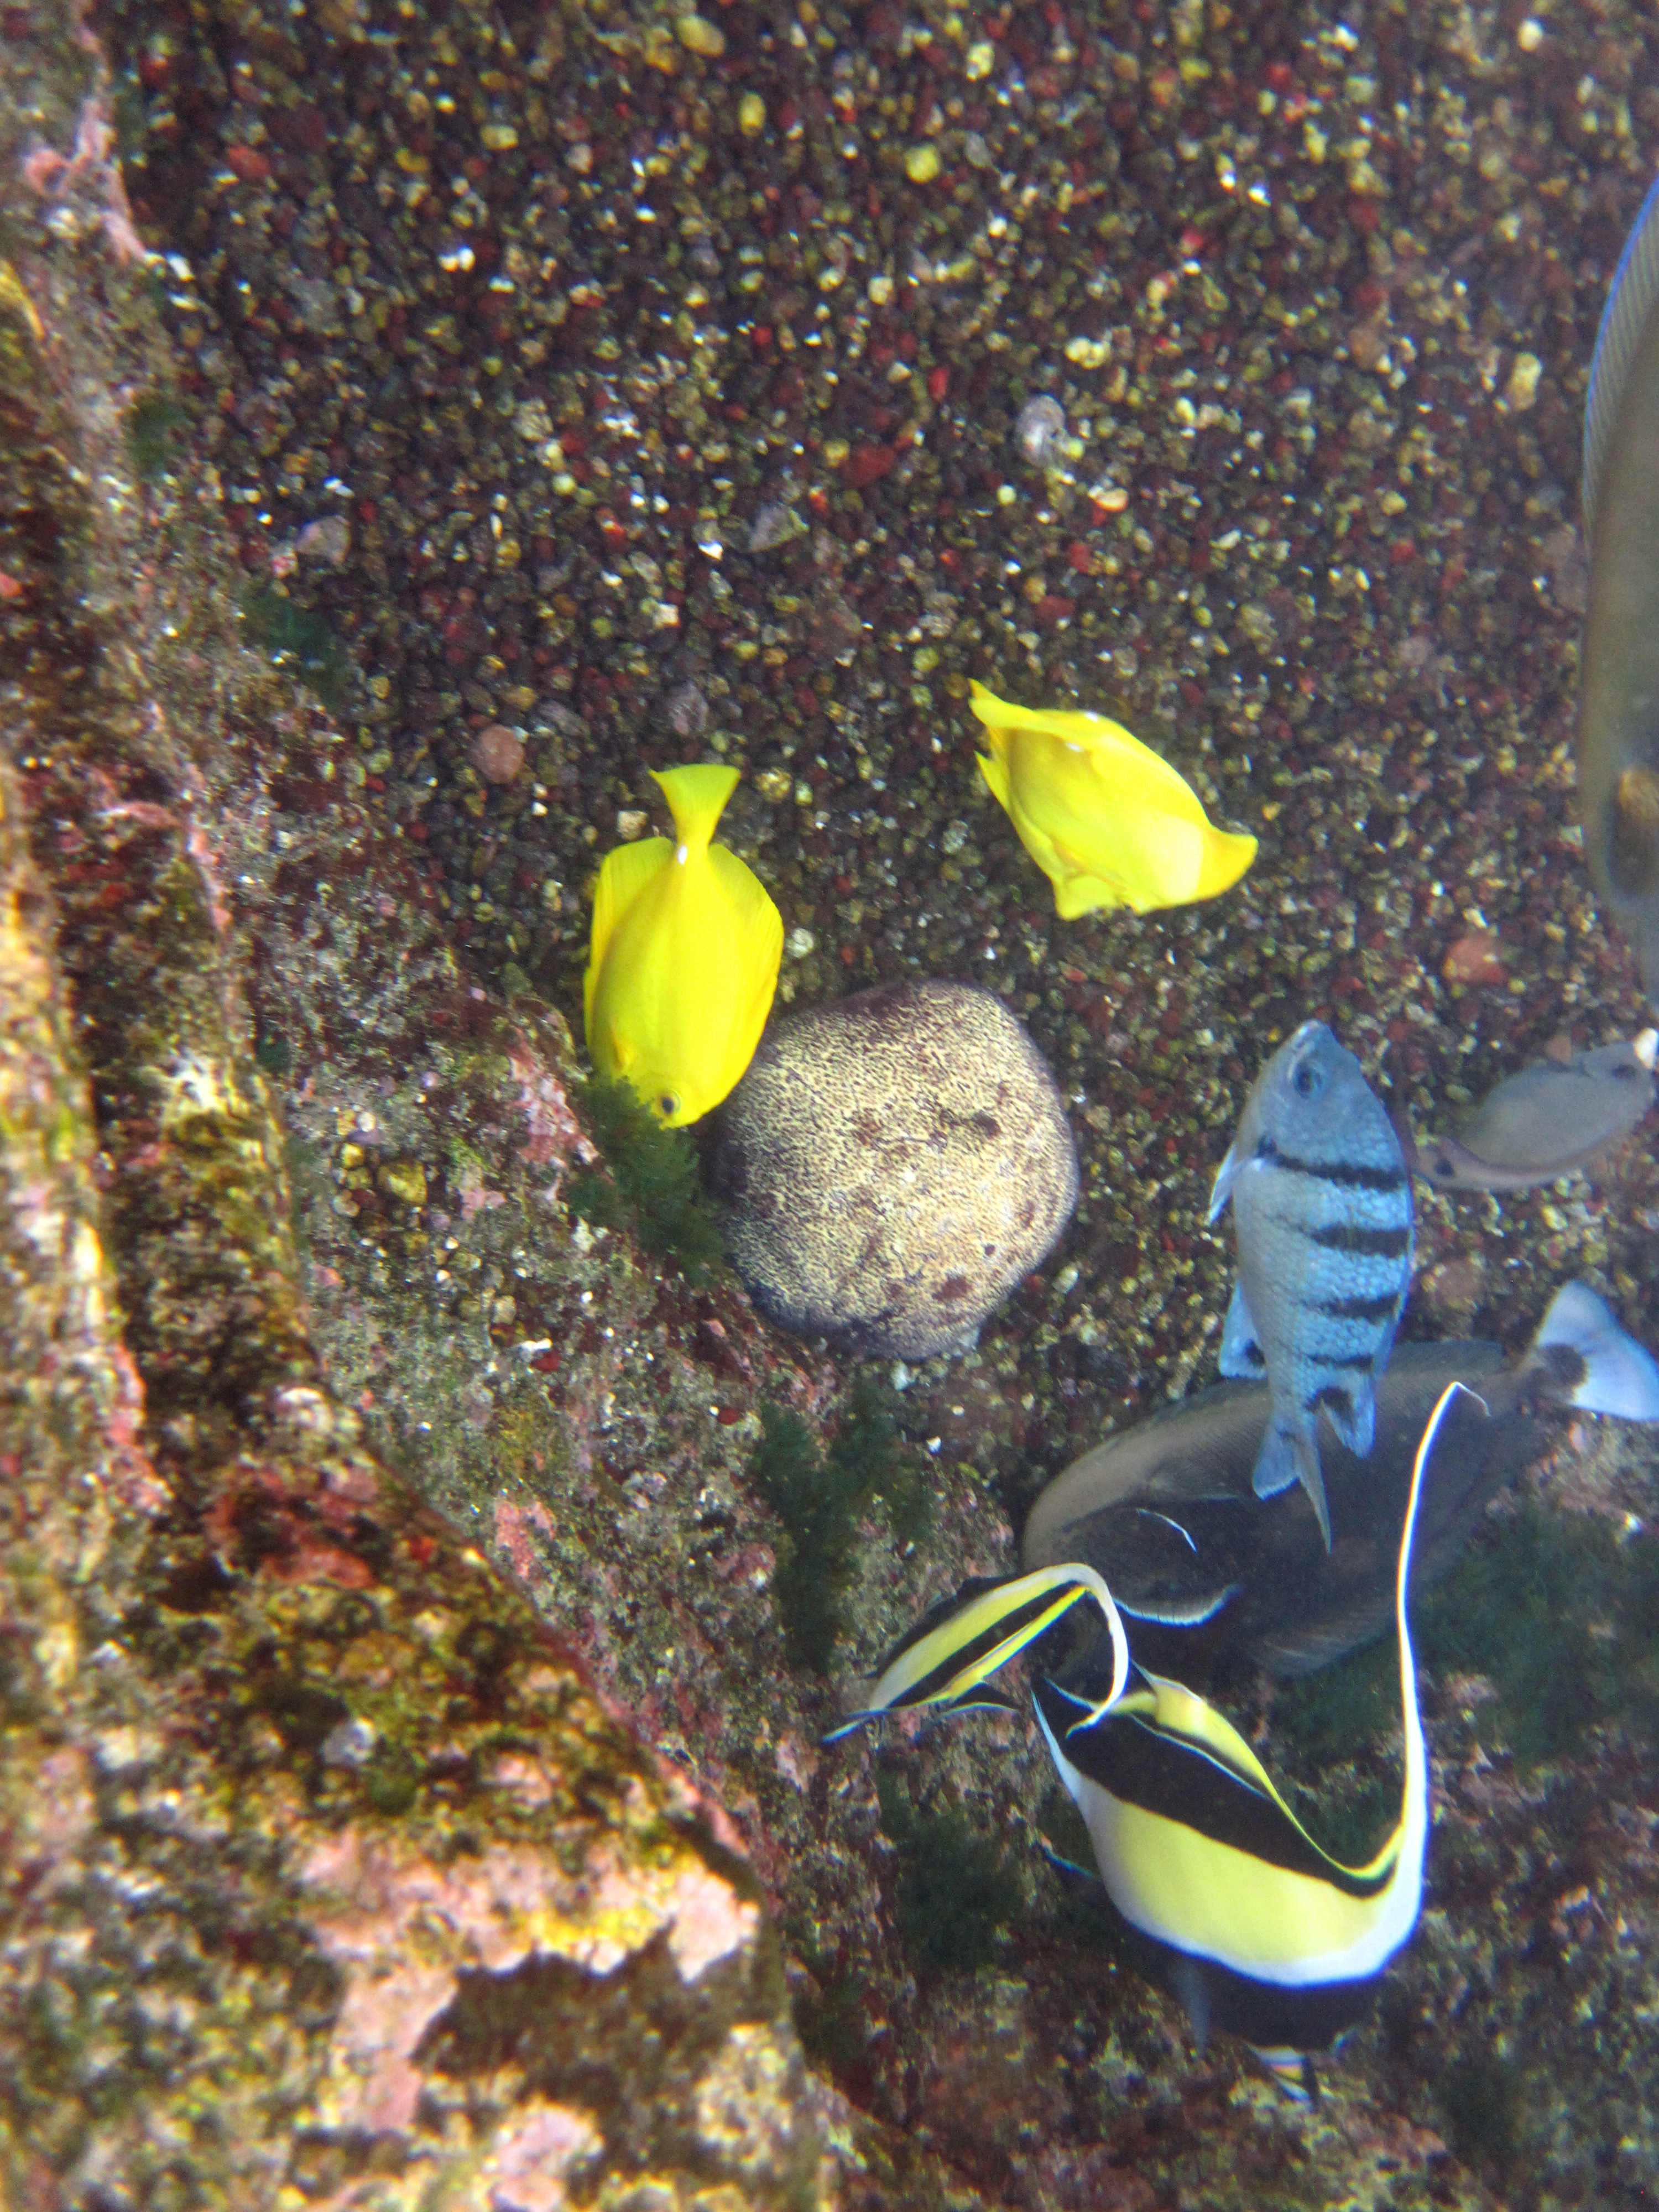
947,1659
1224,1896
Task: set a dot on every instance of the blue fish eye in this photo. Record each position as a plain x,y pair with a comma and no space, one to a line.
1309,1080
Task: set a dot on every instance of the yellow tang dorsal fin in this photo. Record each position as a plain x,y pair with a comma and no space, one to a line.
697,799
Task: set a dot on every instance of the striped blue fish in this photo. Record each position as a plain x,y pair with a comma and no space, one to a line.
1321,1201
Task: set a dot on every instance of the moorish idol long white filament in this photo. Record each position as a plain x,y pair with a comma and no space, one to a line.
1225,1897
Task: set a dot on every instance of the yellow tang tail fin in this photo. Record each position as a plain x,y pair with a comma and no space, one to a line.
951,1654
697,798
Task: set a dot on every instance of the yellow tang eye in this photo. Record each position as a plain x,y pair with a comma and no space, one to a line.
668,1105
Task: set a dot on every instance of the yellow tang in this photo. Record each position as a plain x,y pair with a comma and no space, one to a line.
1108,822
684,956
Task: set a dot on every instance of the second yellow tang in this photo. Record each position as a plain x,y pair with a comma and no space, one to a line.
684,956
1107,821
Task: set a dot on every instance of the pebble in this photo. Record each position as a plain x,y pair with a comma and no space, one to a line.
327,539
700,36
1039,431
1475,958
498,753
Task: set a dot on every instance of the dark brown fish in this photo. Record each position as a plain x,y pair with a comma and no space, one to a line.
1167,1514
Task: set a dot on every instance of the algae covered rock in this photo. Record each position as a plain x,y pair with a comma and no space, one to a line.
892,1165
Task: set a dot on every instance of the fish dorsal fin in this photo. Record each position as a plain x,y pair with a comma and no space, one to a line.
629,871
697,798
1630,302
1617,1376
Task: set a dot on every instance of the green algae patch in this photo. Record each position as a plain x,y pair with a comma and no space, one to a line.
153,427
652,1186
956,1888
818,1497
1560,1615
297,639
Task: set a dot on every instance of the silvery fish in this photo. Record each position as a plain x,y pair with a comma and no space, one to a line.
1165,1510
1618,685
1321,1202
1545,1121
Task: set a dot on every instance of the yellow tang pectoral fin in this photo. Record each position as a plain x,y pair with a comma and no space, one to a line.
627,873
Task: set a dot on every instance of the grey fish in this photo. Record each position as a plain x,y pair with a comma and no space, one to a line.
1552,1117
1321,1202
1619,686
1166,1513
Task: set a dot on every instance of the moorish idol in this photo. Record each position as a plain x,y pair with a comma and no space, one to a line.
1224,1896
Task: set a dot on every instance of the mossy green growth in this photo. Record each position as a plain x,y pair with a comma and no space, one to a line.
818,1498
152,428
1562,1617
1480,2105
296,638
1552,1608
956,1888
652,1188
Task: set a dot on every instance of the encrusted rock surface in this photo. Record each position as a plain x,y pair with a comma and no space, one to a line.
328,1874
890,1167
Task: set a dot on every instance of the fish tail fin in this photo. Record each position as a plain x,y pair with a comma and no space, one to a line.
1289,1455
1587,1360
952,1651
1223,856
697,798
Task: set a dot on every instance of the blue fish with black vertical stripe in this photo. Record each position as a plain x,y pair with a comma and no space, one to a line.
1321,1202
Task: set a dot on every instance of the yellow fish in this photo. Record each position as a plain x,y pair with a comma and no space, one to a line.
1107,821
684,956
